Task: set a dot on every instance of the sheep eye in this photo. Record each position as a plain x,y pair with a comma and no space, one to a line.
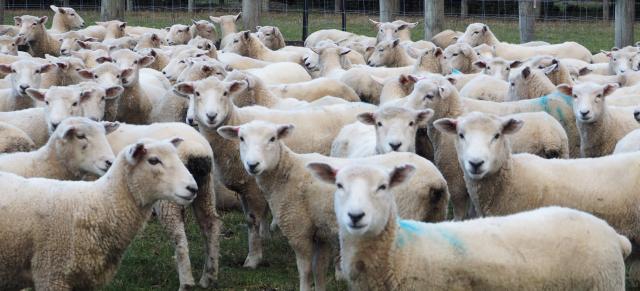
599,95
72,14
272,139
461,135
46,103
614,59
13,44
497,136
135,62
102,98
225,93
267,34
575,96
74,104
182,62
411,123
382,188
428,96
96,76
235,41
395,30
339,186
197,93
37,71
488,68
540,67
118,76
154,161
379,123
242,139
33,24
13,71
513,84
508,69
475,32
455,55
81,136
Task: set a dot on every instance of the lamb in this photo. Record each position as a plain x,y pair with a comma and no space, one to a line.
388,31
23,74
40,41
497,67
527,83
125,42
477,34
485,87
69,41
389,53
9,45
77,147
303,207
271,37
148,40
178,34
201,43
396,88
90,57
389,129
65,72
461,57
621,60
227,26
446,38
214,108
567,49
281,73
315,89
329,61
73,222
502,183
557,70
600,125
379,251
13,139
65,19
204,29
246,44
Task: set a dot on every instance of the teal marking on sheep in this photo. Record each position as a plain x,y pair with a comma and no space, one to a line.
544,103
455,71
410,228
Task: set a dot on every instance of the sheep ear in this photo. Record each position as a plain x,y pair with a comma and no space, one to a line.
423,116
110,127
375,23
17,20
396,42
438,52
367,118
285,130
485,28
400,174
83,44
135,153
236,86
146,61
47,67
565,89
229,132
126,73
370,49
344,51
113,92
6,69
446,125
86,74
214,19
85,95
68,132
123,25
238,16
194,21
56,9
452,80
480,64
515,64
62,65
584,71
609,88
43,20
526,72
550,69
176,141
246,34
185,88
20,40
36,94
323,172
511,126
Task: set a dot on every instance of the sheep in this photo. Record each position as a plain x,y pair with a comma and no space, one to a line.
271,37
239,62
65,19
622,60
461,57
629,143
9,45
213,108
600,58
65,72
389,129
567,49
23,74
600,125
246,44
303,207
380,251
40,41
485,87
477,34
329,61
438,94
114,29
484,51
70,40
461,80
125,42
527,83
148,40
396,88
9,30
203,29
178,63
315,89
389,53
555,69
227,26
446,38
502,183
337,36
281,73
388,31
90,58
70,225
201,43
497,67
78,146
195,153
13,139
178,34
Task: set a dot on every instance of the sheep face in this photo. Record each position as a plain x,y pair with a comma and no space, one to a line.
91,58
481,141
623,60
148,40
106,74
68,16
260,144
179,63
30,27
201,43
270,36
212,99
128,60
60,103
432,60
520,81
198,70
241,43
155,172
431,92
114,28
497,67
475,34
396,127
178,34
484,51
25,74
459,56
227,22
388,31
69,66
84,145
93,106
205,29
363,200
384,53
588,100
69,42
9,45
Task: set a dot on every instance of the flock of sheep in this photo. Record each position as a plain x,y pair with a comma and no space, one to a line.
355,145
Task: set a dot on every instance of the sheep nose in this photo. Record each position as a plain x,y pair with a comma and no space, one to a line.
253,166
164,73
193,189
190,121
636,114
24,87
585,113
355,217
475,165
395,146
108,163
212,117
54,125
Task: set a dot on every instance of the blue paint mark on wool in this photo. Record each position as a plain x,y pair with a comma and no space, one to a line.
455,71
544,103
409,229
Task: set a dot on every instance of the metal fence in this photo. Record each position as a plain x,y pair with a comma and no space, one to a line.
588,22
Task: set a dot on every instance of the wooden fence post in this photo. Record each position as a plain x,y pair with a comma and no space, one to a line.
605,10
112,10
464,8
129,5
433,17
388,8
251,14
527,21
625,13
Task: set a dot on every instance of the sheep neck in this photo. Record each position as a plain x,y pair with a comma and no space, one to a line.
368,261
539,86
328,64
133,105
595,136
401,58
257,50
273,183
450,107
44,43
487,193
58,24
263,96
491,39
50,165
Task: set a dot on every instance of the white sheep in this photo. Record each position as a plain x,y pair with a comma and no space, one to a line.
178,34
65,19
148,40
40,41
246,44
23,74
503,183
315,89
600,126
271,37
497,67
485,87
303,207
281,73
77,147
446,38
396,88
461,57
239,62
388,31
227,26
70,225
389,53
13,139
204,29
380,251
567,49
528,83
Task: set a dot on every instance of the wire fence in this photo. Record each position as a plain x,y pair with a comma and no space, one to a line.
557,21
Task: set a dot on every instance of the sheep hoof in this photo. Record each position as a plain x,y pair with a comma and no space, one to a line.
186,287
252,262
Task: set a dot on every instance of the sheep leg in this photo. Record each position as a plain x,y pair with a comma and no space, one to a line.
304,261
254,207
204,208
321,262
171,216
